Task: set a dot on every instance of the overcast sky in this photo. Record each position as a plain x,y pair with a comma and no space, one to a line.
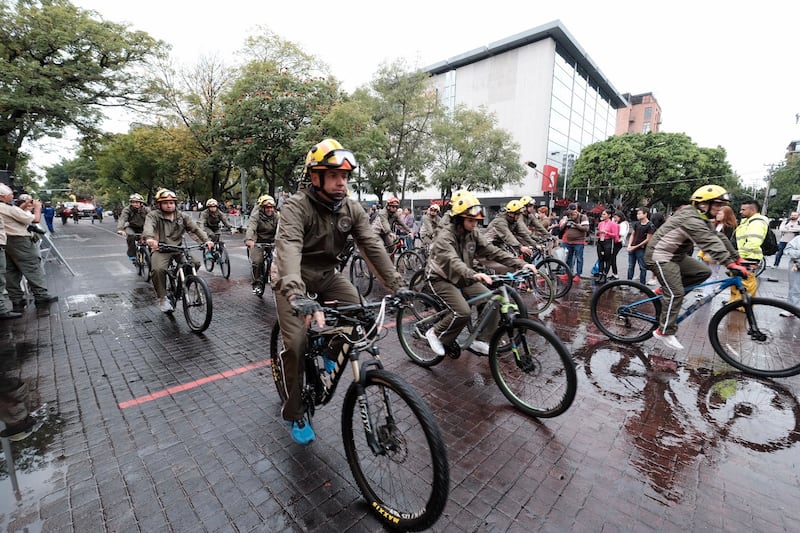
724,75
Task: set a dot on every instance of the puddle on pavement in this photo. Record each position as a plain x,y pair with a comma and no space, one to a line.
82,314
36,469
679,414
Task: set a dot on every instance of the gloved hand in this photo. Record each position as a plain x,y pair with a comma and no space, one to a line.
738,269
404,294
304,306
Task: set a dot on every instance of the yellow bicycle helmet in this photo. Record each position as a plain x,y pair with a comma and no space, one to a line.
329,154
165,194
211,202
465,204
525,201
711,193
514,206
266,199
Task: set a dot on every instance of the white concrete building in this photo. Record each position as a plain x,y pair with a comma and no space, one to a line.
545,90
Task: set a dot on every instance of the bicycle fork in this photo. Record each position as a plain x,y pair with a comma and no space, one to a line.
385,437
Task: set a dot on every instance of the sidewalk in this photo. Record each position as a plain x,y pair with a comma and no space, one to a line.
148,427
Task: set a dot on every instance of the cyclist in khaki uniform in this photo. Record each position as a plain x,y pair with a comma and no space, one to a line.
131,222
450,272
168,225
430,225
261,227
315,224
388,220
212,218
507,228
531,221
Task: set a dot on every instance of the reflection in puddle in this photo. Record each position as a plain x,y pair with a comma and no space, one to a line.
35,470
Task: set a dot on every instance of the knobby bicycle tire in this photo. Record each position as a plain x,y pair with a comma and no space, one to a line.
537,293
408,264
558,271
208,262
406,481
767,347
536,374
147,269
275,349
360,275
414,318
635,323
197,306
225,264
173,294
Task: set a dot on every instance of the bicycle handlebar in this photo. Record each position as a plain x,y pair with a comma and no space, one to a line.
166,248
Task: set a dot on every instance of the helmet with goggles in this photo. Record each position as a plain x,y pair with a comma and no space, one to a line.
212,203
465,204
266,200
136,197
164,195
329,154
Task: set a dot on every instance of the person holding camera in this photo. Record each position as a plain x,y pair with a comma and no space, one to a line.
574,227
22,253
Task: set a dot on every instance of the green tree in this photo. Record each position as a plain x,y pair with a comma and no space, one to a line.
654,169
786,182
472,153
59,65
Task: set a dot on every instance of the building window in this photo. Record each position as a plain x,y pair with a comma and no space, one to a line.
646,127
648,113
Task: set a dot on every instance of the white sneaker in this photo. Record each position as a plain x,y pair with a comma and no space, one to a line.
652,282
480,346
164,305
434,342
670,341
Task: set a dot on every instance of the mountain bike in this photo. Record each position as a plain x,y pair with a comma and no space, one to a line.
748,334
141,261
556,269
184,284
218,255
360,275
406,262
392,442
266,265
529,363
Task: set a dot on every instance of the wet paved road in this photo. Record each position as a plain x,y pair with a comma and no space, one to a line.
148,427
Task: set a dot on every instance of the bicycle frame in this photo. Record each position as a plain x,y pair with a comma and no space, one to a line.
731,281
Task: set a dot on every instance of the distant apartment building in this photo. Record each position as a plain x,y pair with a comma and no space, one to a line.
641,115
546,91
792,151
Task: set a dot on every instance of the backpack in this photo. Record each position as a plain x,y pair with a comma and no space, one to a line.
769,246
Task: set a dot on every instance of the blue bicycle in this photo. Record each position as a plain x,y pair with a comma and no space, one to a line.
751,334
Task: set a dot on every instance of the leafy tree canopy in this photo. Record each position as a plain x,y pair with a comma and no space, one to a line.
59,66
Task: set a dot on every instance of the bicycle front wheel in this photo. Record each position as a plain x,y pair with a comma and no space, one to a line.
275,349
146,268
197,304
225,264
401,465
537,374
414,318
536,292
360,276
208,262
759,341
626,311
559,272
408,264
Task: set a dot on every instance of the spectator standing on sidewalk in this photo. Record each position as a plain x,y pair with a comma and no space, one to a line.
624,230
789,229
607,235
749,235
792,251
5,312
575,227
21,252
49,213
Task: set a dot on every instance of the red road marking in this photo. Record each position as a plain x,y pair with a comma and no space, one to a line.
192,384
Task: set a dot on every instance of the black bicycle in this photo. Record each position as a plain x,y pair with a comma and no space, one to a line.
218,256
142,258
529,363
392,442
184,284
266,265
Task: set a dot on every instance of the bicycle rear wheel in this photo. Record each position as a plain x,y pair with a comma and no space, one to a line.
408,264
559,272
208,262
197,304
537,374
360,275
626,311
225,264
759,341
414,318
404,475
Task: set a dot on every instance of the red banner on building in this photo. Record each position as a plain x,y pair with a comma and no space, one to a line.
549,179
